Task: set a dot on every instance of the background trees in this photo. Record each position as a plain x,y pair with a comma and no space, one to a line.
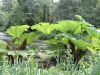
67,9
17,12
21,11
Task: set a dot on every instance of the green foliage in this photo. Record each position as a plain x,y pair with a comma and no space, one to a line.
30,67
70,26
89,9
67,9
75,35
70,30
95,45
93,32
20,39
80,33
3,18
3,45
30,37
17,31
45,28
80,44
95,70
47,11
21,10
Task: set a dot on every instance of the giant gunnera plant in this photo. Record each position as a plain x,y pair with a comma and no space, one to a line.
78,34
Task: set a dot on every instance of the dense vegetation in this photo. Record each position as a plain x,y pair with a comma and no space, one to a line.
72,42
69,42
14,12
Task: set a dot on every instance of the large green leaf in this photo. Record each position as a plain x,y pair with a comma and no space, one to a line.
45,28
80,44
63,38
91,31
82,27
61,26
70,26
31,37
17,31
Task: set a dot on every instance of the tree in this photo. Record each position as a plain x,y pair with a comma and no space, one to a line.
22,11
7,5
67,9
87,10
96,15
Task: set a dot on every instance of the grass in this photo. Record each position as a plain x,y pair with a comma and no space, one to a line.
31,67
